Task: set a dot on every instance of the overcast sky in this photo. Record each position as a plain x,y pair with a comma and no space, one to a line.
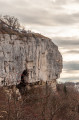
57,19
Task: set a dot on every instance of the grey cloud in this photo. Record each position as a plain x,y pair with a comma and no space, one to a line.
71,66
64,19
72,52
76,15
67,43
4,5
42,17
70,79
27,13
76,1
19,2
62,2
34,13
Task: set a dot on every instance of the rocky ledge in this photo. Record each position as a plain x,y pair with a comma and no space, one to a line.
31,58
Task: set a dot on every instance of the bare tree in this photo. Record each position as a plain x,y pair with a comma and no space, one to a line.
11,21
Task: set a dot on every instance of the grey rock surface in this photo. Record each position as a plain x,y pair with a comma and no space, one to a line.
38,54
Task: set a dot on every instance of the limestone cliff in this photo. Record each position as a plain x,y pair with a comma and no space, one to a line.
35,52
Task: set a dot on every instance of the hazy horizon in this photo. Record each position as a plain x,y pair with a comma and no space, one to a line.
57,19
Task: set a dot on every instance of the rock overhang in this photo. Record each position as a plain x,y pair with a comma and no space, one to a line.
34,52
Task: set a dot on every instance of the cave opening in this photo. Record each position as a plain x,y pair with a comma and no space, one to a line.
24,82
24,77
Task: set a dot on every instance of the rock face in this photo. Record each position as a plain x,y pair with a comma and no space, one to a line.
38,54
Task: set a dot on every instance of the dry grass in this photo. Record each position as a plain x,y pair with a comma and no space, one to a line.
5,29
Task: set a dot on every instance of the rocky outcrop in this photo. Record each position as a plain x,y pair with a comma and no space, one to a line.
36,53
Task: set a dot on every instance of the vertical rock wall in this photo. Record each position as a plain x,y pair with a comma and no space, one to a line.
38,54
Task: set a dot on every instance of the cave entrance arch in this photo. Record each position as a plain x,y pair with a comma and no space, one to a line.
24,76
